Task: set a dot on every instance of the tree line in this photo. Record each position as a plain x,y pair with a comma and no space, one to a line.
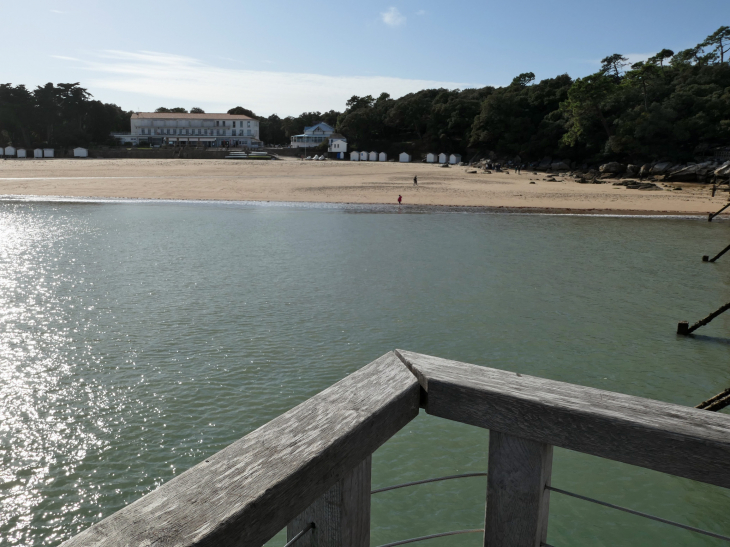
672,105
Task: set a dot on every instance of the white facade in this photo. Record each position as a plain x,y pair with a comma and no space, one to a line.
313,136
443,158
338,144
431,158
192,130
354,155
81,152
373,156
363,156
382,156
21,152
48,152
9,151
38,153
455,159
404,157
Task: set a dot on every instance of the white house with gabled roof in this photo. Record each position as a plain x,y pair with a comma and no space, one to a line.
337,145
313,136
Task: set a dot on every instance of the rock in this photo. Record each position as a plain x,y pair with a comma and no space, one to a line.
612,167
661,167
532,182
471,171
632,169
544,164
723,170
560,165
645,169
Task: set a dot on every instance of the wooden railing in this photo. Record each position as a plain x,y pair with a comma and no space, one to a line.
309,469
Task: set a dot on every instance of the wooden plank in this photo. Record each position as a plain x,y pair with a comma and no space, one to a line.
666,437
341,516
247,492
517,501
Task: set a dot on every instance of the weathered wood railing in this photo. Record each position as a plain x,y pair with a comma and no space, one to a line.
312,464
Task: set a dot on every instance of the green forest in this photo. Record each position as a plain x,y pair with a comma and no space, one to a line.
674,105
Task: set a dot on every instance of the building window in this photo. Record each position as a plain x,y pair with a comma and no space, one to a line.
234,124
249,124
217,123
249,132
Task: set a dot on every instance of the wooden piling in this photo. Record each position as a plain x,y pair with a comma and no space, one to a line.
684,328
718,255
713,215
718,402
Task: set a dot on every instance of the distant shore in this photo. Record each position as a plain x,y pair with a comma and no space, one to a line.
346,182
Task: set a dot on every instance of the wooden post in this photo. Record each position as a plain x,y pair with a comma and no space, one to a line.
341,516
683,328
517,501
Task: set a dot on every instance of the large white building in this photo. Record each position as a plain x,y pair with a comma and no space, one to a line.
155,128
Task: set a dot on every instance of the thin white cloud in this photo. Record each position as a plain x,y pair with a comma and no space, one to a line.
166,79
56,11
392,17
421,12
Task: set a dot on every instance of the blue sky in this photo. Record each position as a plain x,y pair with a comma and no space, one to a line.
287,57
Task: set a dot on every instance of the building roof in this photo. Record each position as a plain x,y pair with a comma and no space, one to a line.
338,136
177,116
319,124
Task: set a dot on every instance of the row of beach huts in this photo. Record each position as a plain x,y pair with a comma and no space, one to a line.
12,152
404,157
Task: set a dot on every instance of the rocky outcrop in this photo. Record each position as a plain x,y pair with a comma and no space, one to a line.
612,167
544,164
723,170
635,185
661,167
560,165
632,170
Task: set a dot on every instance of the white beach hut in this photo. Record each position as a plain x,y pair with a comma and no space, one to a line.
443,158
21,153
431,158
48,152
38,153
9,151
455,159
373,156
354,155
382,156
81,152
363,156
404,157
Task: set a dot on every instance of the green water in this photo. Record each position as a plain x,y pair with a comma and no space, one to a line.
138,338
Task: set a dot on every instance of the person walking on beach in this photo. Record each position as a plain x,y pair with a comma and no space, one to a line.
415,180
399,199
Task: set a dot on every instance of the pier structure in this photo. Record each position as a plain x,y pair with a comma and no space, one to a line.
309,470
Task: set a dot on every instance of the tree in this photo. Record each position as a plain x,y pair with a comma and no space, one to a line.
614,63
197,110
240,111
641,75
587,100
660,57
720,41
526,78
176,110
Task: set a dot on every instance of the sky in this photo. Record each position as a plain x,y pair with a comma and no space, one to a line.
289,57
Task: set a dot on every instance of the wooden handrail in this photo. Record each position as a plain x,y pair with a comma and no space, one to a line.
312,464
670,438
249,491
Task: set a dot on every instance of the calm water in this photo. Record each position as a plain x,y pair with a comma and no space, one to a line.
138,338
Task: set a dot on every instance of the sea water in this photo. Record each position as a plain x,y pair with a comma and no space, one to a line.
139,338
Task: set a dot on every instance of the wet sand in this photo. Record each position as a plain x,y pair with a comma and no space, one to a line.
343,182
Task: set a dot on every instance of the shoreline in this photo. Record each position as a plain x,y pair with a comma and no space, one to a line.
371,207
350,184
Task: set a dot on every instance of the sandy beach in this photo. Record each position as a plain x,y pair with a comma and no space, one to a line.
341,182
